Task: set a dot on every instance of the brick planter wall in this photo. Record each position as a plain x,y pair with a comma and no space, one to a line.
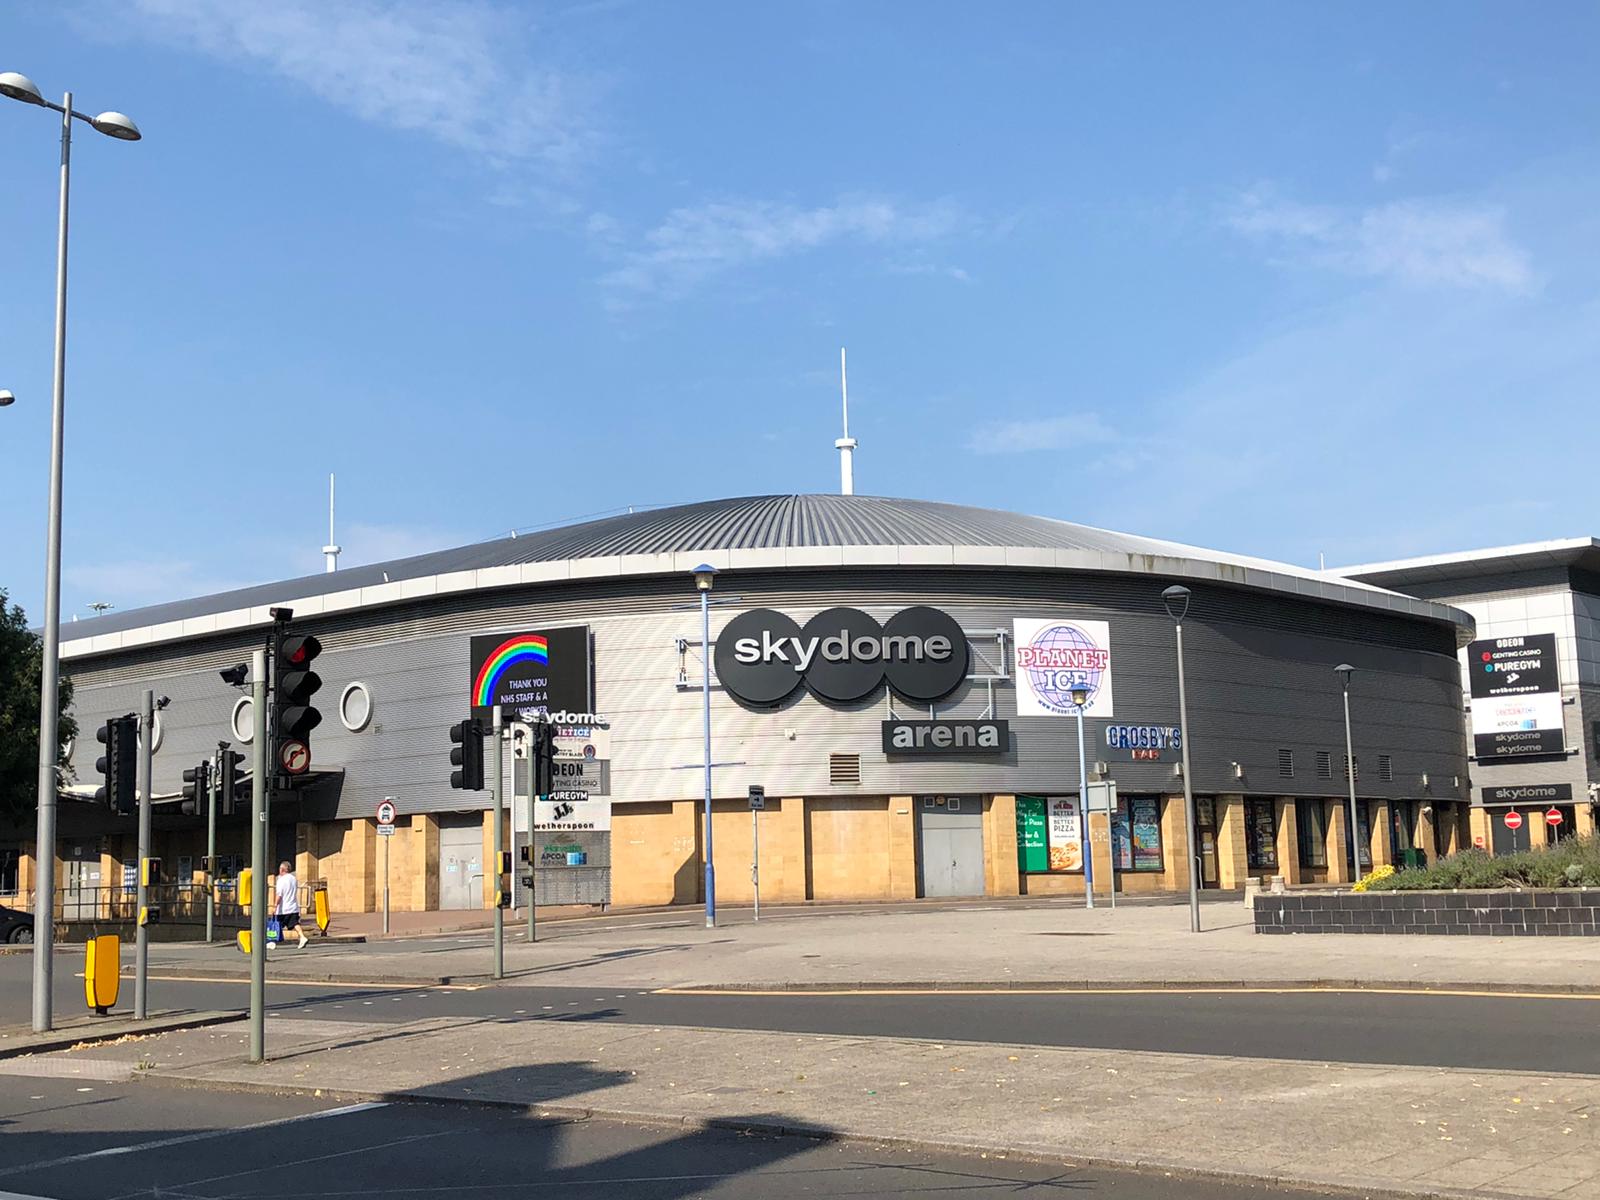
1566,912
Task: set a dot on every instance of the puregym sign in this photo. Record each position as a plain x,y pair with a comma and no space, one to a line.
842,654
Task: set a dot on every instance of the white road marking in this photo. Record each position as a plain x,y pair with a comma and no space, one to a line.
136,1147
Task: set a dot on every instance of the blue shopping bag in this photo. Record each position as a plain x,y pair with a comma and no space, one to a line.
274,929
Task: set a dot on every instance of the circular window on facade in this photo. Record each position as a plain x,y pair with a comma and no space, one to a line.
355,707
243,720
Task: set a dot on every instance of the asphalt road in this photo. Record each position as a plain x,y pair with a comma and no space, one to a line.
125,1141
1499,1032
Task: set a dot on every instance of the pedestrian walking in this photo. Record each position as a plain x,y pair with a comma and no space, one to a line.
286,903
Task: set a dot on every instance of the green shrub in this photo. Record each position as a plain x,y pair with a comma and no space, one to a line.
1573,862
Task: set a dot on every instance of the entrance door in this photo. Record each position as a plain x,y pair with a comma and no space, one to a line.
1559,833
81,887
951,845
1205,832
1505,840
461,860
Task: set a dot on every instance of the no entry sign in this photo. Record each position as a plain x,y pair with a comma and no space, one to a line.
1513,819
1553,817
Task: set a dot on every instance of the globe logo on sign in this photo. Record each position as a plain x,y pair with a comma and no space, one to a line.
1060,658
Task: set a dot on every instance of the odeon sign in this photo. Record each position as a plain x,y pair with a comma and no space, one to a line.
842,654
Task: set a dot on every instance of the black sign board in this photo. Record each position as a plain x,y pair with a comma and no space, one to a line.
1515,743
842,655
537,670
939,739
1530,793
1513,666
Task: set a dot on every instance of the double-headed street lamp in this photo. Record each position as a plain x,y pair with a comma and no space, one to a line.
1344,671
117,125
1176,600
704,575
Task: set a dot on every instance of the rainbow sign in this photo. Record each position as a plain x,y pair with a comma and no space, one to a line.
512,653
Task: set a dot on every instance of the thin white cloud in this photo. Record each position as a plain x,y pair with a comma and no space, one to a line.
131,583
693,244
1068,432
370,543
1417,242
463,73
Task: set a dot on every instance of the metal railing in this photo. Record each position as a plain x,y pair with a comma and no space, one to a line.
180,904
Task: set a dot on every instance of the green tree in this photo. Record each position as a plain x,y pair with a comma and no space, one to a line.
21,669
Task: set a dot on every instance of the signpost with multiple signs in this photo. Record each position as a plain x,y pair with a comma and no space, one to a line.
758,803
386,815
1516,697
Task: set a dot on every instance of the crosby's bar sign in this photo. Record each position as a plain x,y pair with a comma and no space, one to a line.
842,654
933,738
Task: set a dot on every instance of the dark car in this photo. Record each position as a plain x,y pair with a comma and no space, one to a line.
15,927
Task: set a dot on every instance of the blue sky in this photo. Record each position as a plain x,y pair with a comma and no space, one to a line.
1273,278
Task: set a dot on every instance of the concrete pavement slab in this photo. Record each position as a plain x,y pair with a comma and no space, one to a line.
1322,1124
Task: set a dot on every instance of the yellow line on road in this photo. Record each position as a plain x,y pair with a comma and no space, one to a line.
1199,989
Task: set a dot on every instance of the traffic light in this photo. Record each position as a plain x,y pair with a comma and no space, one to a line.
196,788
119,764
542,754
467,755
294,683
228,771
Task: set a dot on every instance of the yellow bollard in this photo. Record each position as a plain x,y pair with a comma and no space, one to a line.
242,889
102,971
320,902
244,941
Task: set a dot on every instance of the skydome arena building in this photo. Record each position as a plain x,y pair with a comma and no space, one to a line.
896,675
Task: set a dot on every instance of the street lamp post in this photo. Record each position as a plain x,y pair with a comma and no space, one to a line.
1345,670
704,576
1080,697
1176,600
112,124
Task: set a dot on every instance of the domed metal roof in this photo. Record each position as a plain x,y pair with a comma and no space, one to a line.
760,532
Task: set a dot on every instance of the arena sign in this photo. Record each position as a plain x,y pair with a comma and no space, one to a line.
842,654
1056,656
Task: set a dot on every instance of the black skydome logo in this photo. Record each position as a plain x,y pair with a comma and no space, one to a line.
842,654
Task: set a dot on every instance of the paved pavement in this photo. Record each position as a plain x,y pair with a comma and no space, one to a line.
126,1141
1373,1127
1054,942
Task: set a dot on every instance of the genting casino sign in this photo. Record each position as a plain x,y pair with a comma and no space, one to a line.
1056,656
842,654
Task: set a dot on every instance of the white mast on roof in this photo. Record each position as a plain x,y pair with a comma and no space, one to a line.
331,550
847,444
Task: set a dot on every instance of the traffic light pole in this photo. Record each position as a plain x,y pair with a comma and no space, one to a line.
499,845
211,838
258,856
141,953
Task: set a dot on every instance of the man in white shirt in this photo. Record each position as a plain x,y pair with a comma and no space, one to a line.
286,904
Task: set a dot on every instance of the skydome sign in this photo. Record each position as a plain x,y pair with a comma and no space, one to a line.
842,654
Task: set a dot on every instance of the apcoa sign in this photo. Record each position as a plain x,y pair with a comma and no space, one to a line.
842,654
941,738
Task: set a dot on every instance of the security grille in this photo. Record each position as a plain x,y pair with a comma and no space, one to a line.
1286,764
1385,768
1324,764
844,769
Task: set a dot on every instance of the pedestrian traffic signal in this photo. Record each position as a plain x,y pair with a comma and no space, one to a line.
542,754
294,683
467,755
196,788
229,762
119,764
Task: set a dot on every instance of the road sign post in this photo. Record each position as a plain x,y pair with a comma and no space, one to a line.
758,801
1513,820
386,815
